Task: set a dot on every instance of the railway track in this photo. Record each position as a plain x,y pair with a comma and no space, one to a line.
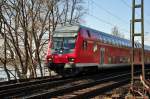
2,83
87,88
13,87
29,89
73,87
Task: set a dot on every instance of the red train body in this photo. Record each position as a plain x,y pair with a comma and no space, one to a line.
76,48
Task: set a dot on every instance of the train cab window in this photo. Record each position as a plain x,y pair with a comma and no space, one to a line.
84,45
135,45
138,45
63,42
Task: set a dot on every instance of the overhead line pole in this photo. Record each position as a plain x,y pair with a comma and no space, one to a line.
141,34
142,37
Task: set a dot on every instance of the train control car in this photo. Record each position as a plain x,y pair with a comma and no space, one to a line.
74,49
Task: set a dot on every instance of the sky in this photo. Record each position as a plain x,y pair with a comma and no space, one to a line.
103,15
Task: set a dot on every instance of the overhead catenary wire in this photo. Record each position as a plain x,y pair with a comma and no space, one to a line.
109,12
127,5
112,15
106,22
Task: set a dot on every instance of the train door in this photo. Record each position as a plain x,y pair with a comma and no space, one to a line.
102,55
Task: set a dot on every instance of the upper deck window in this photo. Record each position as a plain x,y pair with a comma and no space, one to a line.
110,40
99,37
113,41
104,39
88,33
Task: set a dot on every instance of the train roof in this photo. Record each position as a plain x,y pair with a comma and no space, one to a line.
73,29
114,39
68,28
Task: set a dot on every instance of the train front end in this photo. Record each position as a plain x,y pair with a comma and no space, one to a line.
61,56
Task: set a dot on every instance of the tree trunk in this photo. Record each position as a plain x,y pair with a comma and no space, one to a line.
5,54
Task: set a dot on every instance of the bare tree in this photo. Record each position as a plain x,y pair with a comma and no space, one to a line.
115,31
29,25
5,40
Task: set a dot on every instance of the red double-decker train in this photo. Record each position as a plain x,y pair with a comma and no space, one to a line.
74,49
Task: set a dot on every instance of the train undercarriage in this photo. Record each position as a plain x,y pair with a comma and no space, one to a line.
70,69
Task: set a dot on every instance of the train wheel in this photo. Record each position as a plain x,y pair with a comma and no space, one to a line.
69,72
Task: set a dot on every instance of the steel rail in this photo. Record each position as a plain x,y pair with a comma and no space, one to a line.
61,90
31,88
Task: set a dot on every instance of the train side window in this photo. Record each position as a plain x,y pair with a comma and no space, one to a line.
109,60
84,45
95,47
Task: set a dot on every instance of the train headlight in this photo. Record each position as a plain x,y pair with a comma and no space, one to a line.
50,59
71,59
